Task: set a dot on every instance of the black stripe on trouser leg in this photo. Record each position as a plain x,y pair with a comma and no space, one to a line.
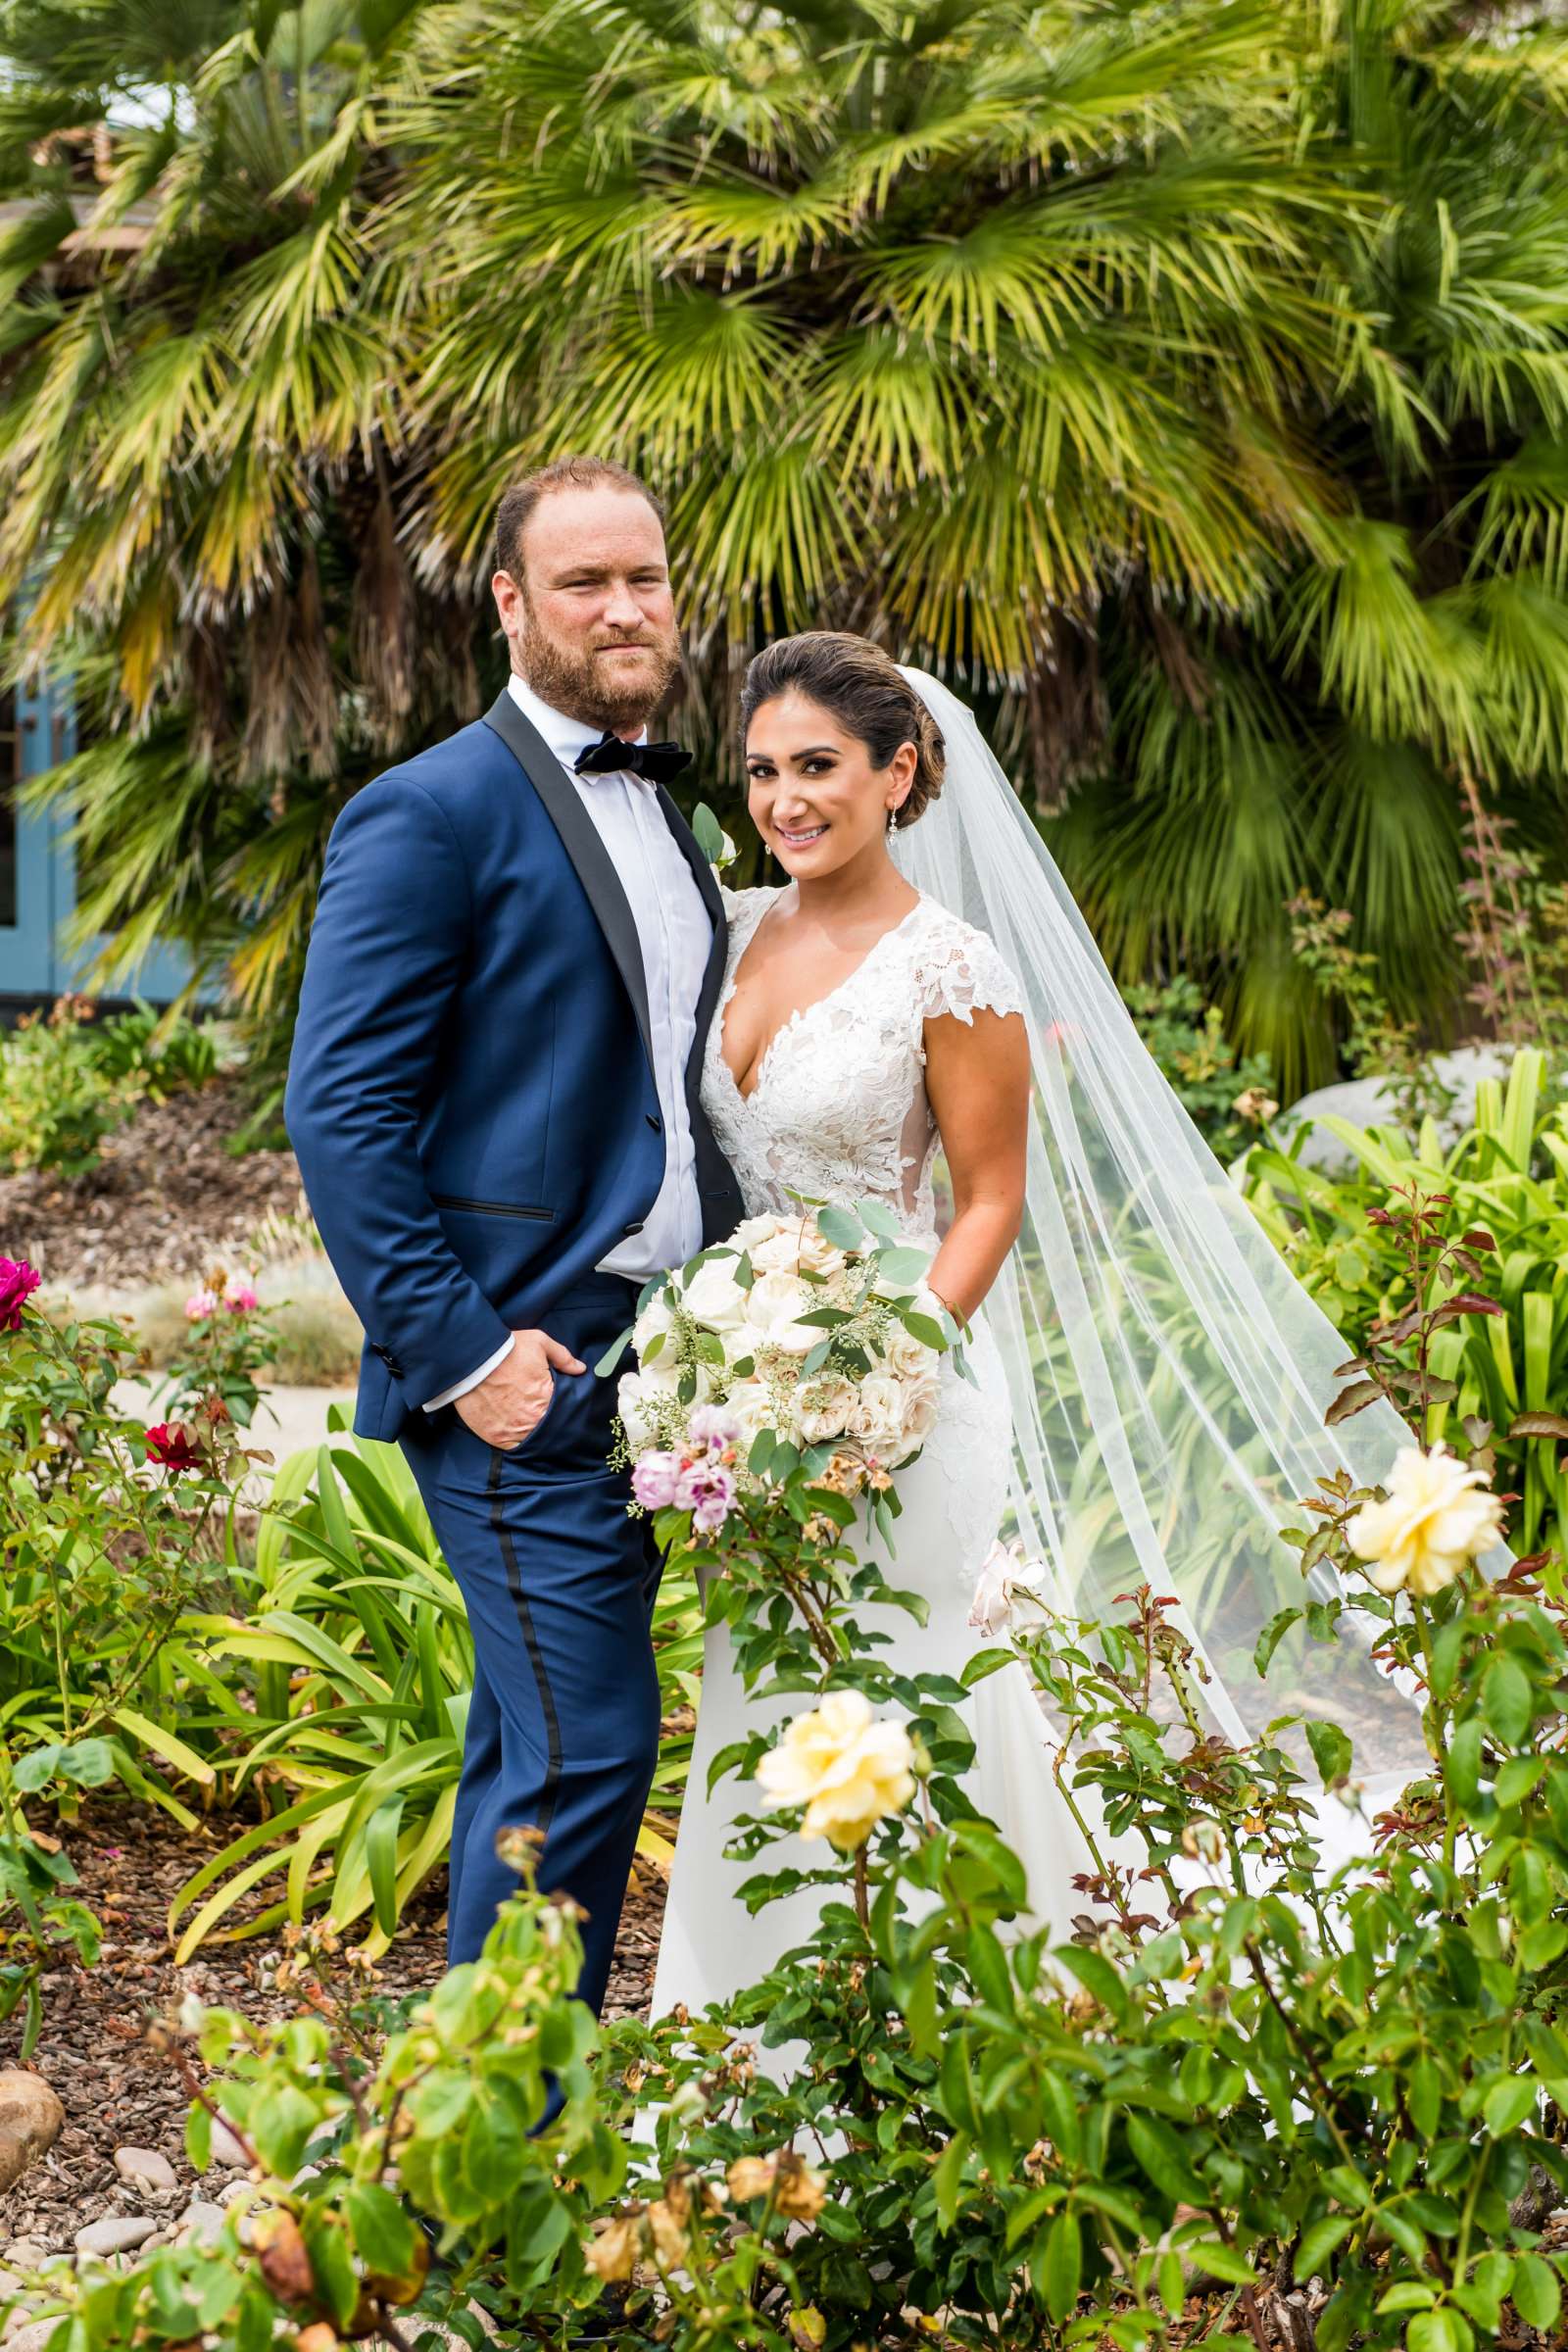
530,1642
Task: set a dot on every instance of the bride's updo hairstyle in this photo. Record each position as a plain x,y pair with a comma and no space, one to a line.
867,694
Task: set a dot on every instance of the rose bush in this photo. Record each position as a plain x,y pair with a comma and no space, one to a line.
1255,2094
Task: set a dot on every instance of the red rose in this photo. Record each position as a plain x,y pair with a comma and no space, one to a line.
173,1445
17,1282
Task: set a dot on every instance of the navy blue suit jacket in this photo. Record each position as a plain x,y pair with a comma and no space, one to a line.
471,1093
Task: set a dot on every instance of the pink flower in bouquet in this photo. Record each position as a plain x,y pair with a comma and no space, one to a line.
240,1299
199,1304
706,1489
17,1282
654,1479
173,1446
713,1429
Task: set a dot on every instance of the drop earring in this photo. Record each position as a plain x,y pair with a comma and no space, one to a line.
893,825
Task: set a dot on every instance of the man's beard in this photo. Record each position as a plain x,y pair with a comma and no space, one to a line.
581,684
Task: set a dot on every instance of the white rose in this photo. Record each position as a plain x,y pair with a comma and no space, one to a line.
751,1408
1432,1525
714,1297
656,1322
750,1232
1006,1576
632,1402
771,1305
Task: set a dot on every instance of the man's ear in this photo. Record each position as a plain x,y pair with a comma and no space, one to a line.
509,601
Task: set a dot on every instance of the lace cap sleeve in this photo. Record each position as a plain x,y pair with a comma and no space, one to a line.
962,971
742,906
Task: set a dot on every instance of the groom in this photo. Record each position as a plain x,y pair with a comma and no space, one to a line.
494,1098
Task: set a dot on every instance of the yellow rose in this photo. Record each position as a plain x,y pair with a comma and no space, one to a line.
1433,1524
844,1767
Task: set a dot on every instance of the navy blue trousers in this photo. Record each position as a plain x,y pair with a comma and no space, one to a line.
560,1585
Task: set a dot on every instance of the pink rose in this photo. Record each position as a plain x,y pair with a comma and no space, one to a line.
706,1489
240,1299
654,1479
17,1282
712,1428
199,1304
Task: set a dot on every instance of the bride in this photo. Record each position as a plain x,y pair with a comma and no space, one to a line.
1150,1382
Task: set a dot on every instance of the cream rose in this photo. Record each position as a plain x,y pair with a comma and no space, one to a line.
921,1405
847,1769
797,1243
1433,1524
825,1406
879,1409
907,1356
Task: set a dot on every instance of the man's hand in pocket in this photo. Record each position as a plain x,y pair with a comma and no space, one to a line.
509,1405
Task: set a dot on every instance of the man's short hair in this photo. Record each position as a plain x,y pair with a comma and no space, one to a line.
518,501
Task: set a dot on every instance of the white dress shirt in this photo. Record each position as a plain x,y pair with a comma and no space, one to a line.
675,934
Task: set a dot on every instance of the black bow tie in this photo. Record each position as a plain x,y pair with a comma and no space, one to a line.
660,762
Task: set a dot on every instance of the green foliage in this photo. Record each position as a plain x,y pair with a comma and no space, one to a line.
1508,1176
57,1101
42,1925
157,1053
1190,377
441,2137
1227,1097
338,1689
69,1081
100,1561
106,1555
1247,2063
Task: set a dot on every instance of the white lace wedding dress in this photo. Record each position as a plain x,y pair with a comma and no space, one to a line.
839,1111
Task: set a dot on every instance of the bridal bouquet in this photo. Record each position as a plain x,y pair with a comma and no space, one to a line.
812,1333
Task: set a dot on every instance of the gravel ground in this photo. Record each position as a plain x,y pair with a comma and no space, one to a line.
116,2092
165,1200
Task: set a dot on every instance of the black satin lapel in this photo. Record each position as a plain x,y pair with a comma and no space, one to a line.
712,900
580,838
686,843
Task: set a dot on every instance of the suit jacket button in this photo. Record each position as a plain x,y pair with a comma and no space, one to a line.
629,1229
655,1121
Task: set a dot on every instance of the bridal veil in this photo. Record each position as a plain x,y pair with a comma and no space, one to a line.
1168,1376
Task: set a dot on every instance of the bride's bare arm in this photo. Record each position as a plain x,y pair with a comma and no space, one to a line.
977,1078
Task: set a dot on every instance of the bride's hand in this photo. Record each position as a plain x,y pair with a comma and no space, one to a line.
510,1402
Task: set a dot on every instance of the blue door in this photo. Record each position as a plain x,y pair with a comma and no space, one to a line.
38,865
35,863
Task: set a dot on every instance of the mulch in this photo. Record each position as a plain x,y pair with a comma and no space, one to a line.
166,1200
116,2089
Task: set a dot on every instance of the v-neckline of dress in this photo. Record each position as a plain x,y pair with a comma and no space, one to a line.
792,1019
